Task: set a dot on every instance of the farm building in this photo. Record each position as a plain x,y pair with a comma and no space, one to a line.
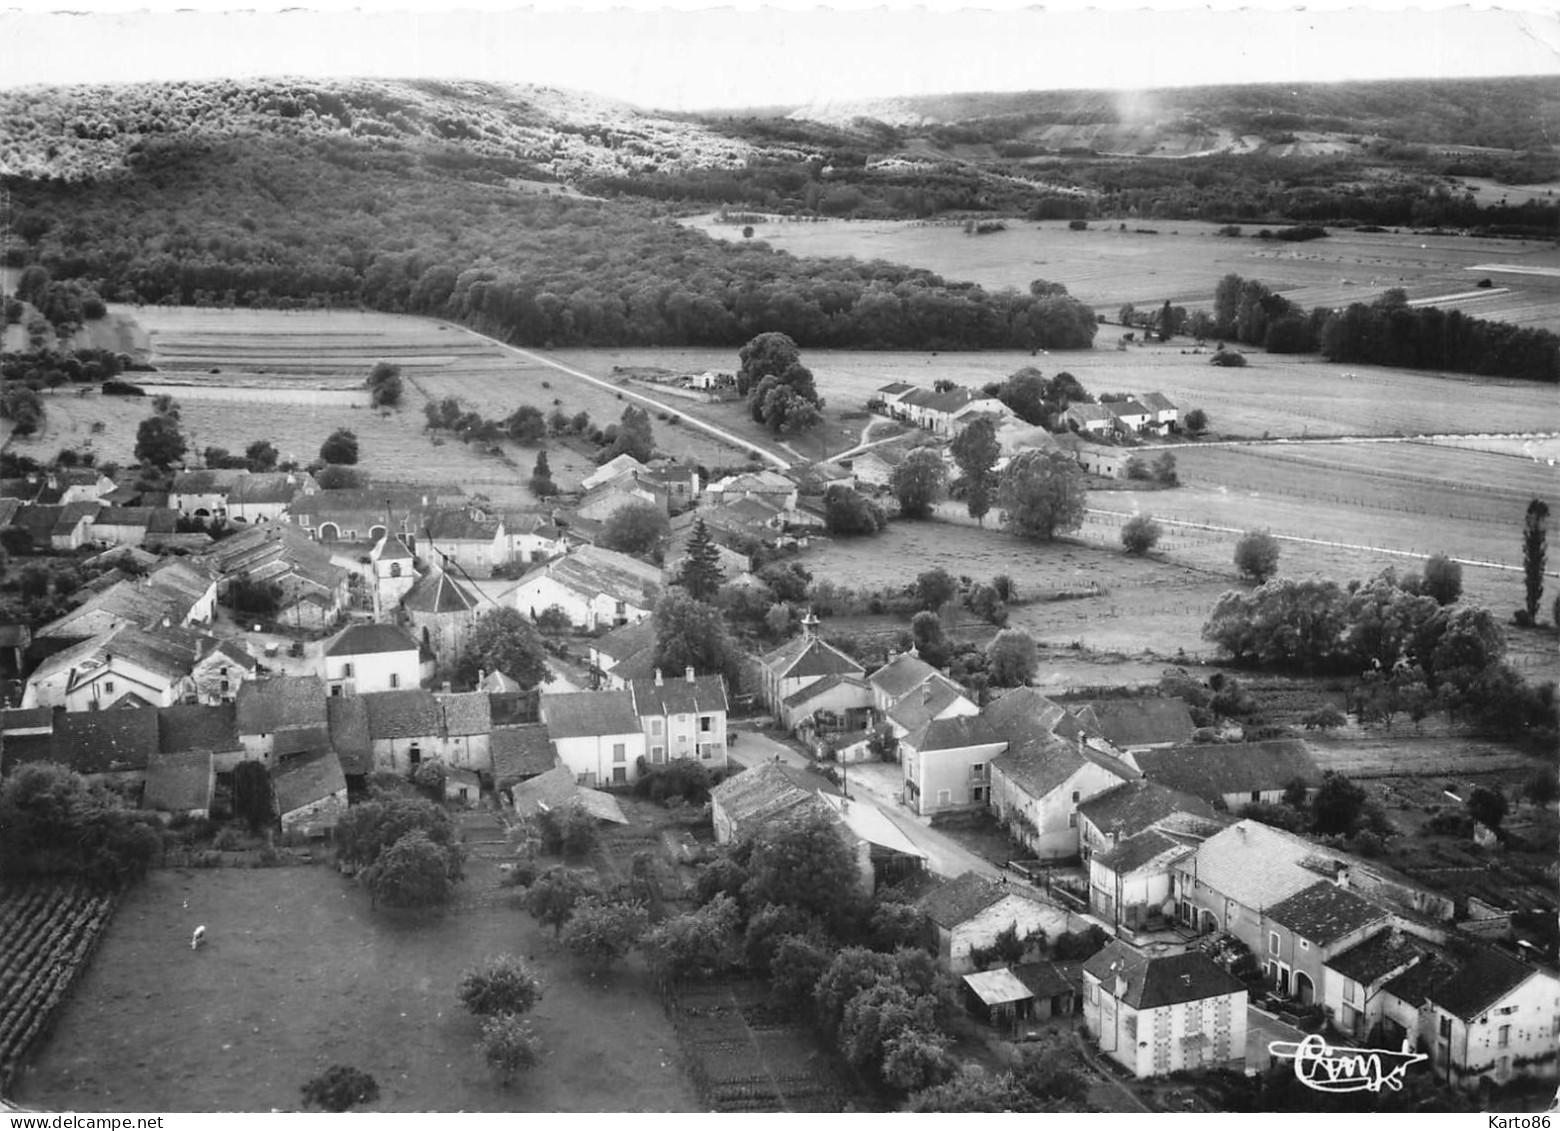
187,729
1237,773
1138,724
1131,417
744,803
204,493
182,593
623,654
180,785
621,464
1303,931
969,912
111,747
767,486
597,734
440,612
311,794
462,786
282,715
466,536
1166,416
312,590
367,514
1355,977
1157,1015
1129,883
267,496
347,717
628,489
130,526
1096,459
465,729
557,789
370,657
840,705
404,728
530,536
800,663
1085,418
520,753
1009,996
594,587
1123,811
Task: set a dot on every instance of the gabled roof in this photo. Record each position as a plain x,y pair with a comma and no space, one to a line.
617,465
1129,407
921,705
391,549
279,703
1040,763
1131,807
557,788
592,571
272,551
263,487
1212,770
960,900
756,796
369,639
179,783
998,987
901,675
1156,401
1024,712
1256,864
232,650
826,684
438,592
1325,912
679,695
1135,852
1464,984
894,388
520,752
349,737
871,824
956,733
514,708
626,640
188,727
168,653
1127,723
1379,955
306,780
456,524
465,712
210,481
809,656
1155,982
99,742
409,713
579,714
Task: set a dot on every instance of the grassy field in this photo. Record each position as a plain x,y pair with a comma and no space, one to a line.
1182,260
155,1026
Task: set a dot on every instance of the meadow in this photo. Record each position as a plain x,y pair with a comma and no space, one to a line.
155,1026
1147,262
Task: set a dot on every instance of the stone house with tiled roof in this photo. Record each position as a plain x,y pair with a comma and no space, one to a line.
405,728
125,666
594,587
1133,807
598,735
204,493
901,675
181,593
364,658
840,704
1302,932
799,663
1484,1017
188,728
281,716
1040,779
1236,774
314,590
267,496
311,794
937,697
1129,883
367,514
180,785
468,537
620,645
1141,723
465,729
947,764
112,747
347,717
1155,1015
969,912
746,802
520,753
1351,989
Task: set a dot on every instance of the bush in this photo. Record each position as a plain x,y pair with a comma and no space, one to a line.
504,985
508,1046
1256,555
339,1087
1141,534
1229,358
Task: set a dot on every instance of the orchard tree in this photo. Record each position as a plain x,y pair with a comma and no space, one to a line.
1042,494
504,640
700,573
975,451
340,447
918,482
509,1046
504,984
412,872
554,895
695,943
1256,555
601,931
1140,534
1535,537
1012,658
639,528
803,862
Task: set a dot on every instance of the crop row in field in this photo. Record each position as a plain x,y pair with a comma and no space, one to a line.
47,933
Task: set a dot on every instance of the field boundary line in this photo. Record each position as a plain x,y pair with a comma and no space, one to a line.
719,433
1415,554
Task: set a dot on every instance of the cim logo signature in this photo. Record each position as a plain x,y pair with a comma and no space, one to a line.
1320,1066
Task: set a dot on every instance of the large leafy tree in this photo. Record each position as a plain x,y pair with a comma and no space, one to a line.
412,872
1256,555
1012,658
918,482
53,822
340,447
692,634
634,437
639,528
781,391
975,451
804,863
1042,494
554,895
504,984
159,442
700,573
847,511
504,640
261,456
696,943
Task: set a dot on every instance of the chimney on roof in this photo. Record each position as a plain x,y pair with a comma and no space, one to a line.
658,681
688,673
926,692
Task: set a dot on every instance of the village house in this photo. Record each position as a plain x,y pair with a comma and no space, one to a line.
530,536
1039,781
311,794
1096,459
312,591
130,526
1158,1015
204,493
799,663
598,735
126,666
465,730
1123,811
1081,416
1129,883
624,654
936,697
875,467
602,502
221,668
594,587
747,802
947,764
902,674
1302,932
619,465
57,486
1236,774
1131,417
112,748
197,728
1352,987
766,486
557,789
370,657
404,728
347,725
367,514
967,914
1166,416
839,706
179,593
467,536
1482,1016
1142,723
281,716
267,496
519,753
683,718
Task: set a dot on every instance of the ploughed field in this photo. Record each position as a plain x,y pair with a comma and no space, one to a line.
297,974
1182,260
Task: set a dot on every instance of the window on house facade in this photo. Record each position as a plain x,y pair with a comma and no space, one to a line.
1256,795
1072,820
1304,945
1351,990
1272,942
395,681
658,753
978,770
1446,1027
1503,1037
346,671
1077,796
108,687
655,726
619,752
224,687
706,723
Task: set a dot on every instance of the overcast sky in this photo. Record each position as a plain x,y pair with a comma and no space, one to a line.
684,58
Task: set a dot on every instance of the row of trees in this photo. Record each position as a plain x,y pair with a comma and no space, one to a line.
56,824
1386,331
